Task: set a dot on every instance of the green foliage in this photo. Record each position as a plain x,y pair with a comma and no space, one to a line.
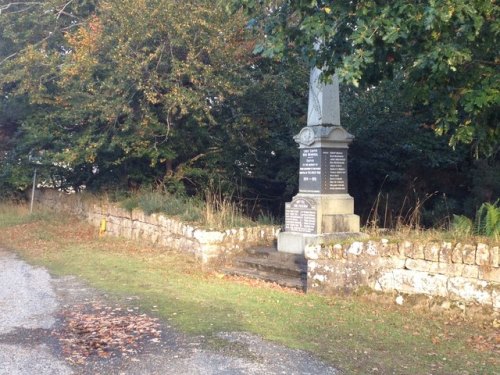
123,94
152,202
445,50
214,212
463,225
266,219
12,214
156,93
486,223
130,203
488,219
484,185
398,161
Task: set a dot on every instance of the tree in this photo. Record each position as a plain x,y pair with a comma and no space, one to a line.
128,87
27,28
156,92
446,51
399,168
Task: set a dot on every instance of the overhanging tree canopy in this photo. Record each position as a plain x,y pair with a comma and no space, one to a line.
446,52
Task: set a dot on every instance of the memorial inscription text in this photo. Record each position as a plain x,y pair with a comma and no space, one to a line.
300,216
323,171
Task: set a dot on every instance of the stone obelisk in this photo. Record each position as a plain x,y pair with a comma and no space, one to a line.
323,209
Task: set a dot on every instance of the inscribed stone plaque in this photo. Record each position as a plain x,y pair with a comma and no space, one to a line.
334,171
300,216
323,171
310,170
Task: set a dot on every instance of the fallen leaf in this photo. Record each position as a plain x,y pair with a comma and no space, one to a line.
104,332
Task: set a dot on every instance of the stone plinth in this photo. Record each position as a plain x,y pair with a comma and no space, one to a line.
320,214
296,243
323,208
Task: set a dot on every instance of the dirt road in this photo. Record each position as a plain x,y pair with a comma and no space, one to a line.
37,309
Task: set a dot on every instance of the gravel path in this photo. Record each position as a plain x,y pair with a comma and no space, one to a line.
27,299
31,306
27,302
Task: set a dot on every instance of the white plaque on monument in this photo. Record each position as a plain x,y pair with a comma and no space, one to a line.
300,216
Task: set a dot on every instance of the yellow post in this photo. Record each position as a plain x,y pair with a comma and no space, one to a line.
102,228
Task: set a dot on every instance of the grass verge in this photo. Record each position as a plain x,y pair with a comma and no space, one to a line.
359,334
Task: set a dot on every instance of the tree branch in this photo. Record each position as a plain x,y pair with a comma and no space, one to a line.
26,3
61,11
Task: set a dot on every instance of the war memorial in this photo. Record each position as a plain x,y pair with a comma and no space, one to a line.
323,209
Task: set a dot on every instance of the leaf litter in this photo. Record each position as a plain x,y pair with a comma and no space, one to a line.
103,331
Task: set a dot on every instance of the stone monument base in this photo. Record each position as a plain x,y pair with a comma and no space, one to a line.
332,212
340,223
295,243
316,218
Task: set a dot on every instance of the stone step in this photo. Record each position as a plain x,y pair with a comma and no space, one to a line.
272,253
266,263
288,282
287,268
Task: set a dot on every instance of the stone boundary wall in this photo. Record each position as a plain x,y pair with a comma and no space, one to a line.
207,245
458,271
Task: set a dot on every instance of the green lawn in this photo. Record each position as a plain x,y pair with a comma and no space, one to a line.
359,334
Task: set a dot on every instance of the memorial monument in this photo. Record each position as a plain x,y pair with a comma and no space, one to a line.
323,208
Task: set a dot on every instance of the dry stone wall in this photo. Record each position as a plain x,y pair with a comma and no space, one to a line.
455,271
207,245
